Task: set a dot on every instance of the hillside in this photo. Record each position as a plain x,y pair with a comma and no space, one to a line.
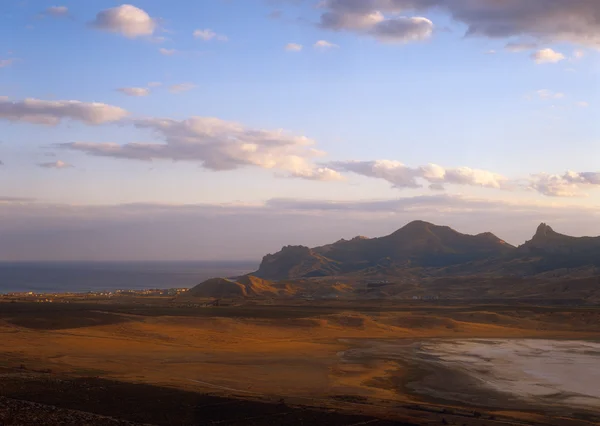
422,260
219,288
418,244
296,262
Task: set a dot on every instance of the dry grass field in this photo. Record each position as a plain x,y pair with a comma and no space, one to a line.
267,353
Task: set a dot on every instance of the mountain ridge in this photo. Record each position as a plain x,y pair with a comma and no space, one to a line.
422,247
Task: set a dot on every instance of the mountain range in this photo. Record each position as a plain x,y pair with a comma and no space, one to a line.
424,249
425,261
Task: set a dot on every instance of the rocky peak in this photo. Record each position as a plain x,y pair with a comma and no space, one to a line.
543,231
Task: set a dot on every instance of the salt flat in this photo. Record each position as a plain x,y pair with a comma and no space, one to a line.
542,371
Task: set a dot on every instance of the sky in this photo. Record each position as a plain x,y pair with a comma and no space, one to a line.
225,129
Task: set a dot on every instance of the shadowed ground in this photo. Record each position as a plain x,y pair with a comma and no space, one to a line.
123,360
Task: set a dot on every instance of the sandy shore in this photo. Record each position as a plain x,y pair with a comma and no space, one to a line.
497,373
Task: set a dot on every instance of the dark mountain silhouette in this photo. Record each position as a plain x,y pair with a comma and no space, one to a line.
426,261
418,244
549,250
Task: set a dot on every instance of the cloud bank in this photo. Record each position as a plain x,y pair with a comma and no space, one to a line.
37,231
219,145
402,176
574,21
53,112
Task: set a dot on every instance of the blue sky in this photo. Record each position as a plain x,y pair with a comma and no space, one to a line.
392,88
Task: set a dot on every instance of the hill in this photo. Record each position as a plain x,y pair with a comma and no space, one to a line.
219,288
244,287
418,244
426,261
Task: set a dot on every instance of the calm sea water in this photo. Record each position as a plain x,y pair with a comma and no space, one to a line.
105,276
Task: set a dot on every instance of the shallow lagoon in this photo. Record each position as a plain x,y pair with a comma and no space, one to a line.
498,373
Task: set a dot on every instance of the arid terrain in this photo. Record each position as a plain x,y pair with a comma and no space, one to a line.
150,361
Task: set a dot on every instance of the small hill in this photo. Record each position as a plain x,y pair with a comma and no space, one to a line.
245,287
219,288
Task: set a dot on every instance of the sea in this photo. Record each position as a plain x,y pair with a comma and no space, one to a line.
83,277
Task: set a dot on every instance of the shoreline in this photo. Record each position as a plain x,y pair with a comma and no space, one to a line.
428,377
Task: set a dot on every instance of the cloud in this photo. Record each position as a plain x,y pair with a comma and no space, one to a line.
547,56
53,112
55,165
403,30
490,52
154,84
182,87
219,145
208,34
520,47
37,231
293,47
569,184
6,62
549,94
57,11
134,91
574,21
126,20
358,17
402,176
167,52
583,104
324,44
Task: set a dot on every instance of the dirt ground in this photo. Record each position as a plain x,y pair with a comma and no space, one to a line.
264,353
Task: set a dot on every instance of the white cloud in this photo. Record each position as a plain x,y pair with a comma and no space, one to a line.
57,11
135,91
126,20
490,52
402,176
6,62
570,184
324,44
208,34
293,47
53,112
549,94
578,54
370,21
574,21
583,104
547,56
167,52
403,30
182,87
219,145
55,165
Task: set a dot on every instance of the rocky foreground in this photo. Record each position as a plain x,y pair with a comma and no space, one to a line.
16,413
